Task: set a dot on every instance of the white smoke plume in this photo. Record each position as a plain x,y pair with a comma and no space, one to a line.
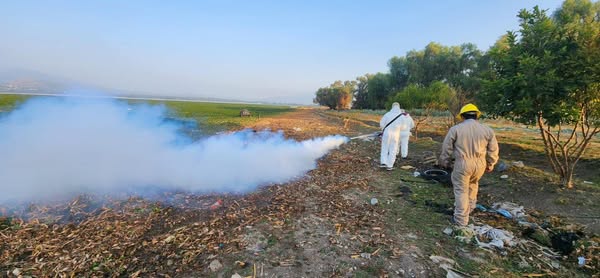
60,147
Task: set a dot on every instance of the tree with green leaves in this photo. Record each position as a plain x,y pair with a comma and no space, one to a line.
547,74
399,73
379,89
460,67
451,64
337,96
424,100
361,92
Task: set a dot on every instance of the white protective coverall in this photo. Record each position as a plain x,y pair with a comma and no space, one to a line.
406,124
398,131
475,150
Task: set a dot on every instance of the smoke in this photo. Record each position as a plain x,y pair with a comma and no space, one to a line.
60,147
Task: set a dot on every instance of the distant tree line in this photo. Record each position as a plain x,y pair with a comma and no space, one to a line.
456,67
545,74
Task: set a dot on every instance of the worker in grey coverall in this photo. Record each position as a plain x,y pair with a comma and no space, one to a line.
475,150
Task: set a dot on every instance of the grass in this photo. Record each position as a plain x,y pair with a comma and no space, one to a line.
372,269
9,102
412,214
417,217
214,117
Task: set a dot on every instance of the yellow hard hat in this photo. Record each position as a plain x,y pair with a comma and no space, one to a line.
469,108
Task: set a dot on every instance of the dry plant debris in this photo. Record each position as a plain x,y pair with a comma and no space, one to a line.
180,233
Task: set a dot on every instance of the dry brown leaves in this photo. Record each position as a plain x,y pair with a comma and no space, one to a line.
138,237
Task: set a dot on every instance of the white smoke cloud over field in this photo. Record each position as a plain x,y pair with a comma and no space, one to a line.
55,148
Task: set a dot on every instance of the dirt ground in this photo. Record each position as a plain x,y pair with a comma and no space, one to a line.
538,189
347,218
532,186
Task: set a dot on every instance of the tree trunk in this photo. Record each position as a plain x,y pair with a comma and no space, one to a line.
563,153
567,179
547,144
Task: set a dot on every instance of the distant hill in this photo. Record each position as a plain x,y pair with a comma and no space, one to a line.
35,83
31,86
24,81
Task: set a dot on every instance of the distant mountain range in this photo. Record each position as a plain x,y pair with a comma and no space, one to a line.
35,83
22,81
31,86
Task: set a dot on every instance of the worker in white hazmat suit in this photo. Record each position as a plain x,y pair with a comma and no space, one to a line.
396,125
475,151
406,124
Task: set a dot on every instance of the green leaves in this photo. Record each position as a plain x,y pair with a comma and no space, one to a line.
546,66
435,96
379,87
548,74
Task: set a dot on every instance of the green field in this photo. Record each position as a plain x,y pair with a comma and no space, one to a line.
214,117
8,102
211,117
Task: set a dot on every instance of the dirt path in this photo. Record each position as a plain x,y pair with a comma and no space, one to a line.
523,187
342,234
302,124
529,186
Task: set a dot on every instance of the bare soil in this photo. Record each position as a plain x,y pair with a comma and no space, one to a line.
321,225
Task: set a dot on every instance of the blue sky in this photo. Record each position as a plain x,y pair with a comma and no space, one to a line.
250,50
